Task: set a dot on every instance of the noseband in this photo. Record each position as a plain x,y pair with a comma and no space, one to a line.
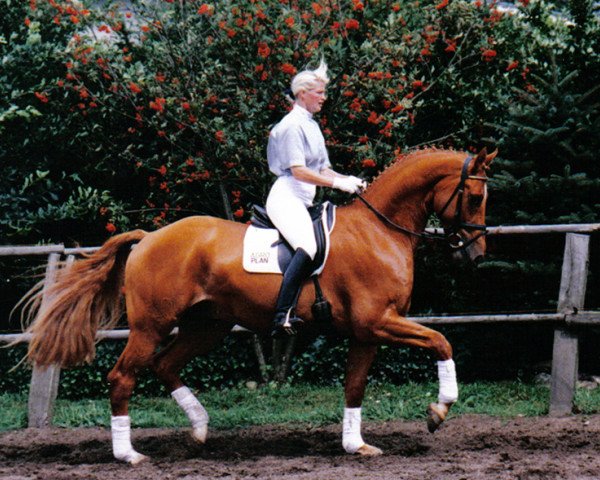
452,234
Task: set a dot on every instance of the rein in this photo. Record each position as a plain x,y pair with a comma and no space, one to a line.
452,236
394,225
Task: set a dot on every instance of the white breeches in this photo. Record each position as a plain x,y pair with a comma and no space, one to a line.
289,214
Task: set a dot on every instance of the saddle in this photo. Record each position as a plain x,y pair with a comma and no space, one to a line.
266,251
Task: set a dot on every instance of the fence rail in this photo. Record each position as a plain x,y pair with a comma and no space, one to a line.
570,313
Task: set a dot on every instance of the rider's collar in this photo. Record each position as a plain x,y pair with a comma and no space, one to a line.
302,110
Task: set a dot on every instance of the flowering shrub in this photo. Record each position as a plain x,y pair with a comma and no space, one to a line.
133,117
45,191
166,106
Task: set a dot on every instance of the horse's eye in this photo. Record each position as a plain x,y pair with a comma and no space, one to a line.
475,201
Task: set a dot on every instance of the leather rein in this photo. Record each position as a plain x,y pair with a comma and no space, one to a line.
452,234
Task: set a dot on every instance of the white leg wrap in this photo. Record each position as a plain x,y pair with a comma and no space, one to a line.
121,440
351,438
448,386
194,410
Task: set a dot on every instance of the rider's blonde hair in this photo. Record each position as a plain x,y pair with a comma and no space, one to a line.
307,79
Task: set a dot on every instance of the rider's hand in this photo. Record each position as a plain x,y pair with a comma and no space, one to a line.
349,184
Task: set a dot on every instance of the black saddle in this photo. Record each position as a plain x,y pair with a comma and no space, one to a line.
322,224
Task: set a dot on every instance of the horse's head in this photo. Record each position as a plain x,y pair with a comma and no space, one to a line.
460,203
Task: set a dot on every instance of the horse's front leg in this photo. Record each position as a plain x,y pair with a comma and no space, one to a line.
360,358
398,330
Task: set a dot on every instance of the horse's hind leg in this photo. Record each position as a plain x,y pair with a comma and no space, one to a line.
194,338
137,354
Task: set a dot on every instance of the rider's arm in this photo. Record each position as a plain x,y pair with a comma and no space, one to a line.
305,174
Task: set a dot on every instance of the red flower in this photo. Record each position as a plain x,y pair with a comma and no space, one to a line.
220,136
289,21
162,170
375,75
204,9
374,118
158,104
357,5
239,213
368,163
42,97
185,105
352,24
288,68
417,84
441,5
512,65
263,50
27,22
318,9
110,227
451,45
488,54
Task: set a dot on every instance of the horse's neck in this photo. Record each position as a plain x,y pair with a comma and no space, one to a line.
402,192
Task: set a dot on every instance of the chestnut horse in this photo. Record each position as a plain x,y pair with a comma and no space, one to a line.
189,274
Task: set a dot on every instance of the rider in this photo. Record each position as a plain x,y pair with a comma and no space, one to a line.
297,155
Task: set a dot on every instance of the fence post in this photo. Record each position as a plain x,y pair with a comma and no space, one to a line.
44,381
565,354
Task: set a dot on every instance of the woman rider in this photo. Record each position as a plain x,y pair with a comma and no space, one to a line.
297,154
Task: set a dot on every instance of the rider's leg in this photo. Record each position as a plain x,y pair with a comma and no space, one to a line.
290,216
298,270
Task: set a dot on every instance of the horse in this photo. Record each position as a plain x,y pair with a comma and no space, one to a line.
189,274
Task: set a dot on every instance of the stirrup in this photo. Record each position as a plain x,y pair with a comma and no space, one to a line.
284,324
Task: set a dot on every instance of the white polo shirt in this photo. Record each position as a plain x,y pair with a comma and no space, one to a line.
297,141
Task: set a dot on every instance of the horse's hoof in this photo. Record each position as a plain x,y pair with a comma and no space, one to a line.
369,451
436,414
137,458
199,434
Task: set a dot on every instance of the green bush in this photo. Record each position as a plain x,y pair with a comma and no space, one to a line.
113,118
162,106
44,192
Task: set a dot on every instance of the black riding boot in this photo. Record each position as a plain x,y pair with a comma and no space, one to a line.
298,270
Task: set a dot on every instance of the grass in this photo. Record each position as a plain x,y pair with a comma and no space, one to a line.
304,404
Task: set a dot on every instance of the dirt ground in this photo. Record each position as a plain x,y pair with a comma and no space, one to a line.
466,447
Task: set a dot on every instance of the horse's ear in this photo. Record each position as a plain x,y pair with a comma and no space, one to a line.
482,160
490,157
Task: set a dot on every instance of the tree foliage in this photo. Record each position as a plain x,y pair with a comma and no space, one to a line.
113,117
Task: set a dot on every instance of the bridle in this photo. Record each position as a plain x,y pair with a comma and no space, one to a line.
452,233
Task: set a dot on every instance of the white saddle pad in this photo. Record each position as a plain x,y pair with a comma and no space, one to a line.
260,250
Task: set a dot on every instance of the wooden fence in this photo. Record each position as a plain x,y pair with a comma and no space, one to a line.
570,314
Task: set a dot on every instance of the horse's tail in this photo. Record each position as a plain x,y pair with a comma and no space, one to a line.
85,298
